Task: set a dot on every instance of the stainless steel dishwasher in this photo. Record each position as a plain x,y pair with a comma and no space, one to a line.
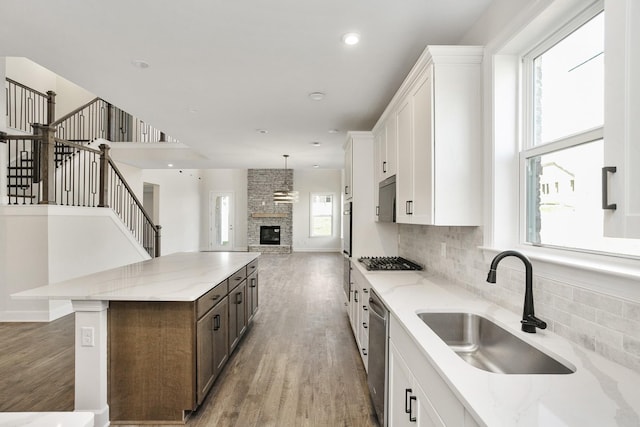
378,355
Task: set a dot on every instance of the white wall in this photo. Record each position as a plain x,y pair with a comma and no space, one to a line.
69,96
41,244
316,181
225,180
179,203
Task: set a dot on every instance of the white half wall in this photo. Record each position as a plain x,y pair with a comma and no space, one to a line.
41,244
307,181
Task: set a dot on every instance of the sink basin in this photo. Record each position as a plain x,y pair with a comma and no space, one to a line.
485,345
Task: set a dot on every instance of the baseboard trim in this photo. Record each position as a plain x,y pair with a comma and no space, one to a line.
317,250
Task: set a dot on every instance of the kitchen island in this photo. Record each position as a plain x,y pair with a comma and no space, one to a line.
453,393
164,316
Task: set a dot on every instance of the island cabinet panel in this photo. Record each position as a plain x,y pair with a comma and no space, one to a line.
165,356
152,363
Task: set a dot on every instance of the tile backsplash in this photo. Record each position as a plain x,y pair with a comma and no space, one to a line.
602,323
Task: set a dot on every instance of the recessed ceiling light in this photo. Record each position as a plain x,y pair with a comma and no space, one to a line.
334,131
262,131
170,165
316,96
316,166
139,63
351,39
315,144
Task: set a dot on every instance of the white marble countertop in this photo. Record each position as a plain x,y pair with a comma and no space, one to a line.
184,276
46,419
600,393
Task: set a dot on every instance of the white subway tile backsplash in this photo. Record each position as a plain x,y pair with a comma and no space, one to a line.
595,321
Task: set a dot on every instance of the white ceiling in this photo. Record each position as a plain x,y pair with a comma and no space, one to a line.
221,69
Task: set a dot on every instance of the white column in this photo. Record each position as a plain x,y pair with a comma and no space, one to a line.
91,359
4,156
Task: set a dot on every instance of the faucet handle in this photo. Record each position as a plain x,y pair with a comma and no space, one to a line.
532,322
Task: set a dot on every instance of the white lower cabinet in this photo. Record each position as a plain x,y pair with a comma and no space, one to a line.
359,313
418,396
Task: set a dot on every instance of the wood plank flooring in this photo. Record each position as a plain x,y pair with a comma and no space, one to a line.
296,366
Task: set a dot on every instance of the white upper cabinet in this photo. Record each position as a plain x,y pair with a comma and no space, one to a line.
385,137
348,170
622,113
439,138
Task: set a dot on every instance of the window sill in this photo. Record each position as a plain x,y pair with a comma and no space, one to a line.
610,275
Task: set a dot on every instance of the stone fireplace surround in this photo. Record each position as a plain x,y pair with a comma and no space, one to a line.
261,183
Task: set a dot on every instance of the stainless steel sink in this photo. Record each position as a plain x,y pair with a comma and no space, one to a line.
485,345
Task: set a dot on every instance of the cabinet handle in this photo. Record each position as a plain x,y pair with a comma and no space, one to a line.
253,282
365,290
384,167
215,297
407,408
377,210
216,322
346,189
364,351
355,296
605,188
239,298
365,308
411,417
364,325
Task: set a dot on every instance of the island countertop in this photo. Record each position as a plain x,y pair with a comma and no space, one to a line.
183,276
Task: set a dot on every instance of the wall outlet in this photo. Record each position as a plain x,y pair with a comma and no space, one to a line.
443,249
87,337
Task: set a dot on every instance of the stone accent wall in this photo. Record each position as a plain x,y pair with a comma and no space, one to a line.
261,183
602,323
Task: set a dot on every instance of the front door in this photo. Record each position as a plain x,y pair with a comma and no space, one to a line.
221,216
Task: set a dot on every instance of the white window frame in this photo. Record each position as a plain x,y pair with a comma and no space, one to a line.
312,216
505,209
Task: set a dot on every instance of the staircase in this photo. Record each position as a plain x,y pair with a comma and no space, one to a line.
45,169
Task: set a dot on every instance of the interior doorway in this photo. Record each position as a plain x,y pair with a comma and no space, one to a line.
221,215
151,201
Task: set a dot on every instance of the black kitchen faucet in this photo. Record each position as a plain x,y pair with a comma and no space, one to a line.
529,321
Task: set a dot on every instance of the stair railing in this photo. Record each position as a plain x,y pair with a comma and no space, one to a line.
100,119
44,169
26,106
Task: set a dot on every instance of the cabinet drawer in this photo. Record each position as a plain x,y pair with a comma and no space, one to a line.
236,278
211,298
252,267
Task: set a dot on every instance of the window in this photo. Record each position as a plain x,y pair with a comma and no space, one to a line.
563,146
321,213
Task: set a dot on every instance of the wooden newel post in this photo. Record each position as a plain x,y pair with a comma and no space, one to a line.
158,239
44,162
104,176
51,107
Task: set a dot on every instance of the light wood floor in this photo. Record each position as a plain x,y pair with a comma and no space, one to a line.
296,366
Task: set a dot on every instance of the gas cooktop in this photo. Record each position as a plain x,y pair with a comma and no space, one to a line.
388,263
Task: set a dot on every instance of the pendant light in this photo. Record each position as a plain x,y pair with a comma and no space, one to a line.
286,195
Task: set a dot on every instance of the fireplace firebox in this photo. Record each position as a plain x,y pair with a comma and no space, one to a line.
269,234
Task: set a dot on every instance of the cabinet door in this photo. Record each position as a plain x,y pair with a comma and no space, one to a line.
252,295
404,177
348,171
622,109
237,315
422,156
391,145
205,364
426,415
220,335
400,390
